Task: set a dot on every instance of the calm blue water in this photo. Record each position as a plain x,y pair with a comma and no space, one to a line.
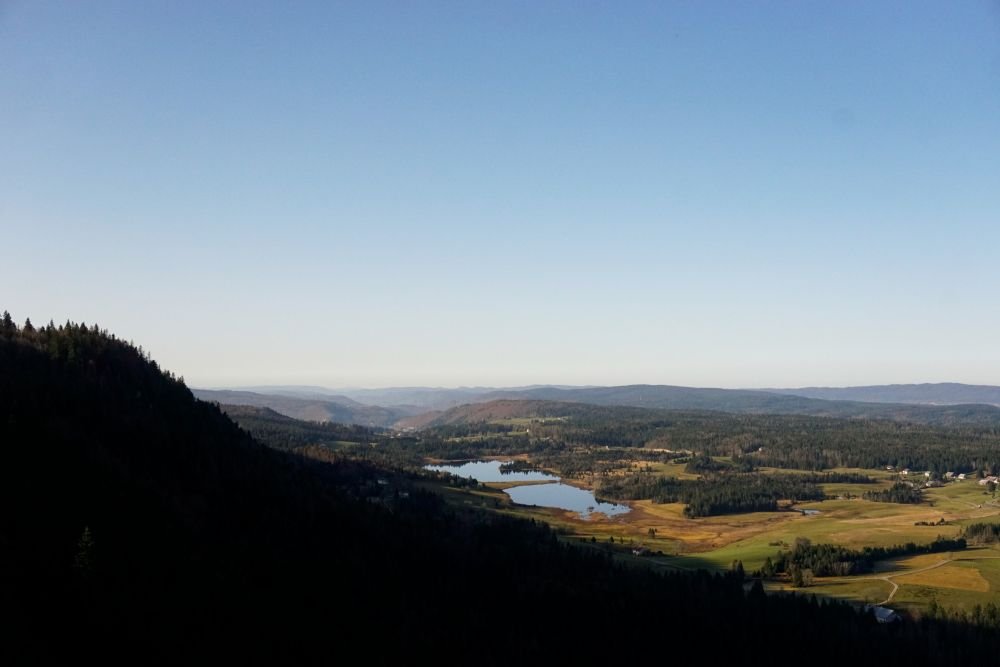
489,471
556,495
565,497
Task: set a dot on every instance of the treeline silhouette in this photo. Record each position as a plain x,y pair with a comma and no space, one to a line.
141,524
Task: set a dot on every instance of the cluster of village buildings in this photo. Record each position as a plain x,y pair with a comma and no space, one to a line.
948,476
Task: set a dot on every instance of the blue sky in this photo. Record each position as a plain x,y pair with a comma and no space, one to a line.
701,193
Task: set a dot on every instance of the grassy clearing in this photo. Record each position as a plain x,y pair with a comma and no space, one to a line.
719,540
972,578
959,576
671,469
851,523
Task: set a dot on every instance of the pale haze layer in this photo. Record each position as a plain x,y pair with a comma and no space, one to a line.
709,194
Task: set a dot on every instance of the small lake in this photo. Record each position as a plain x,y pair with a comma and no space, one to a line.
489,471
555,494
565,497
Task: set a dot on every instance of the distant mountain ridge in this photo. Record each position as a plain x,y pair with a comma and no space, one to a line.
311,409
666,397
661,396
405,398
318,404
759,402
510,408
939,393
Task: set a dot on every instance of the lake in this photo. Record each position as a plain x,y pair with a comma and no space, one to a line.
555,494
566,497
489,471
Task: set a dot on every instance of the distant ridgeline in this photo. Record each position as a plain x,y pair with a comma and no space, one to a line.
139,523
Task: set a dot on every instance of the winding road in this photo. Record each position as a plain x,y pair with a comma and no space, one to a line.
888,578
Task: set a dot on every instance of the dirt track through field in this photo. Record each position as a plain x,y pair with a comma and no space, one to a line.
888,578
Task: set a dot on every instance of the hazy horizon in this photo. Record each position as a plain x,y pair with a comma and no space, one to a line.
446,194
354,388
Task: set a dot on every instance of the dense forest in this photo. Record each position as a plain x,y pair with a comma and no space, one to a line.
723,494
724,489
139,523
982,533
706,465
900,492
831,560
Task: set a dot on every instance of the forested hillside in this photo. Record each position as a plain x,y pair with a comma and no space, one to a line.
281,432
139,523
757,402
783,441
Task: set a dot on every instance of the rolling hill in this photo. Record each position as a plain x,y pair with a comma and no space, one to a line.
491,410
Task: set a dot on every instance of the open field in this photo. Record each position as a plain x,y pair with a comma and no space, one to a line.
752,537
971,578
671,469
854,523
957,580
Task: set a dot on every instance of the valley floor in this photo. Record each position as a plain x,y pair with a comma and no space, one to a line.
958,580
